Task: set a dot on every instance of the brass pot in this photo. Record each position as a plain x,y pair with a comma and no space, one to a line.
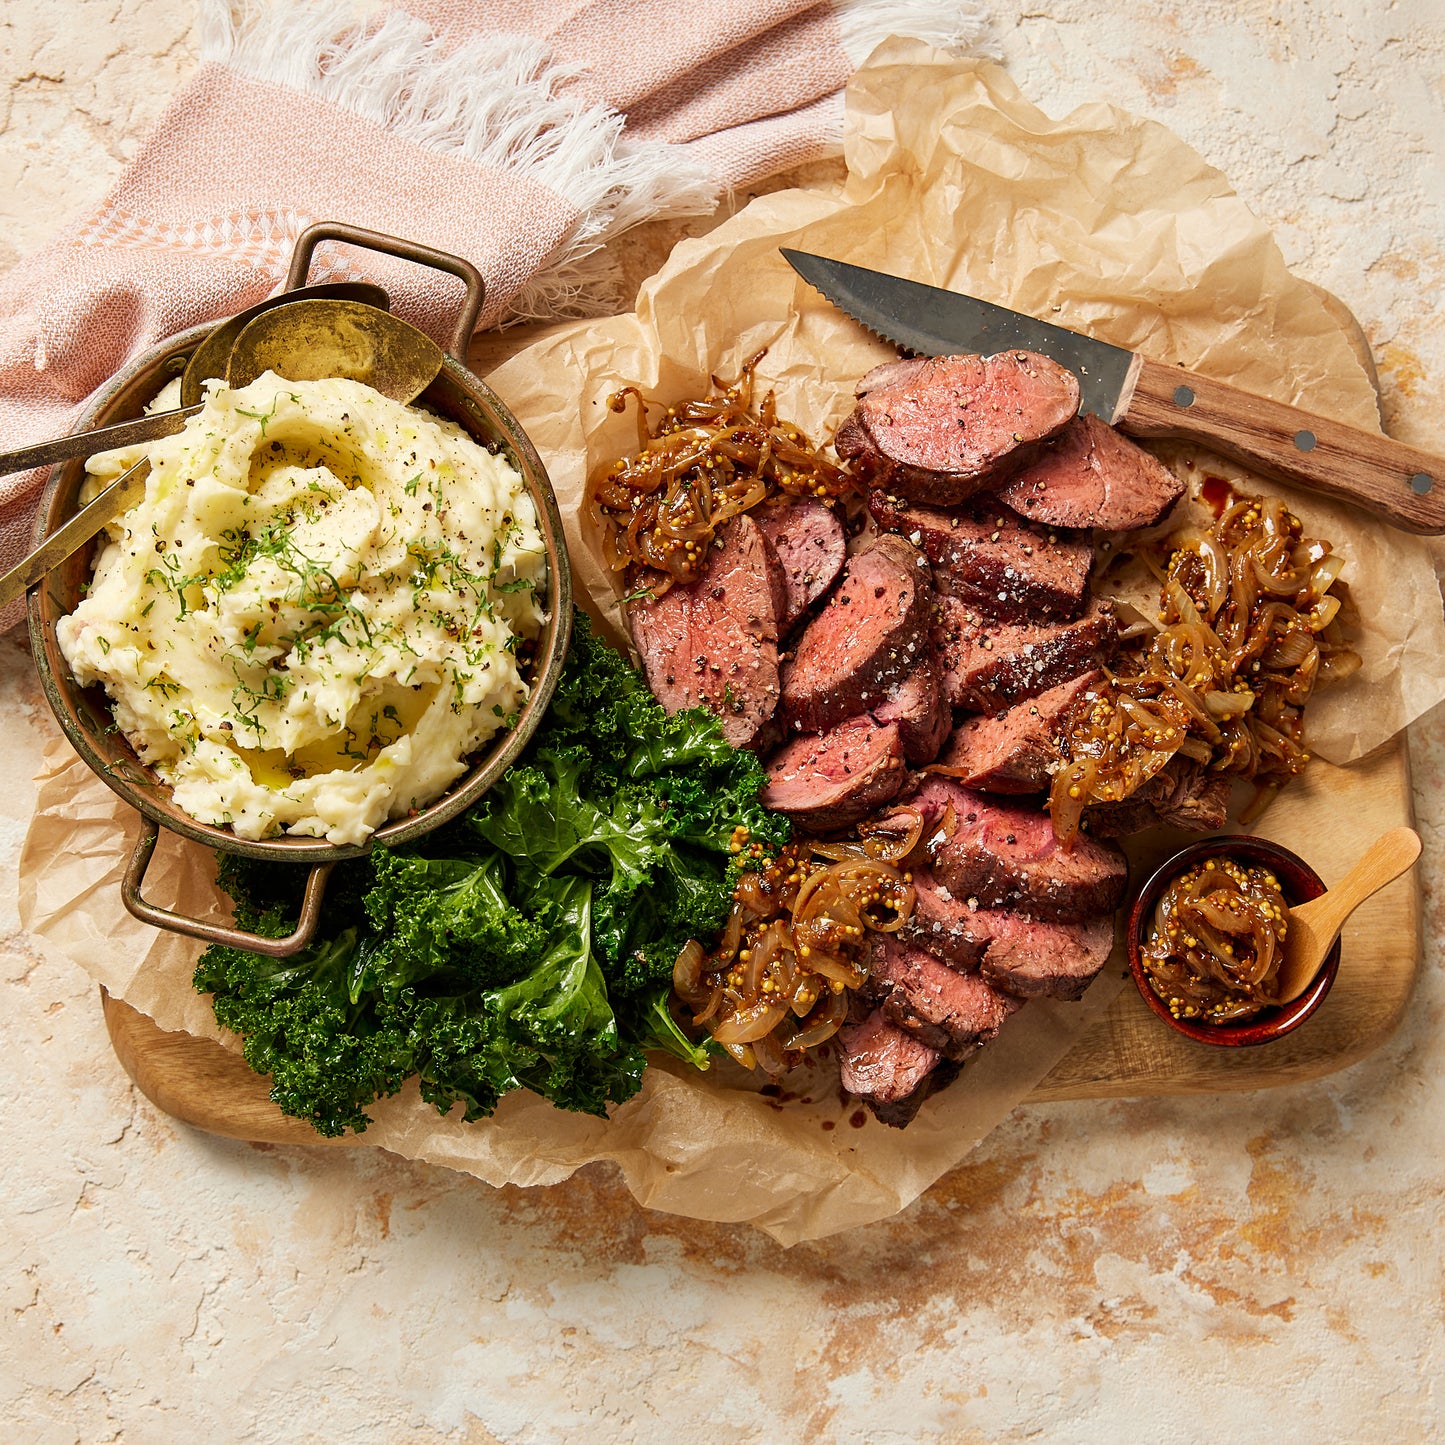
84,713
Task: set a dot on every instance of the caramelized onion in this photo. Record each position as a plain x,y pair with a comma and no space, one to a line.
707,460
713,1004
687,974
1215,946
796,943
822,1023
888,839
1249,627
768,1051
752,1022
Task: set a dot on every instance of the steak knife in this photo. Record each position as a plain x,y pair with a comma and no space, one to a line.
1146,398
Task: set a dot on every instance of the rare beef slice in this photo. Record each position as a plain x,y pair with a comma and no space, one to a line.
890,1070
811,548
713,643
1017,751
1019,954
942,924
835,778
989,665
986,555
1005,855
938,430
1036,958
1092,476
955,1013
871,633
917,706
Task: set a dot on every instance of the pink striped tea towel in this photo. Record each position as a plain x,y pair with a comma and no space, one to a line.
521,134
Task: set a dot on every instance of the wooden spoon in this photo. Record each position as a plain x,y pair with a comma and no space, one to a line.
1314,926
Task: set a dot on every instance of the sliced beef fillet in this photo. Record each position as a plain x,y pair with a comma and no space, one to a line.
1183,796
811,548
988,666
955,1013
871,633
943,925
713,643
889,1069
1034,958
917,705
1092,476
1021,955
941,429
836,778
988,556
1017,751
1005,855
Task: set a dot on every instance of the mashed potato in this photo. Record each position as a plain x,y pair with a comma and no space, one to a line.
314,617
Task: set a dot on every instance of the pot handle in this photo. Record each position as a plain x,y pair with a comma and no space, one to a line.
137,907
466,323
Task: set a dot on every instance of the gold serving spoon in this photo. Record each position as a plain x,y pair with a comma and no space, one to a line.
303,340
314,340
208,361
1314,926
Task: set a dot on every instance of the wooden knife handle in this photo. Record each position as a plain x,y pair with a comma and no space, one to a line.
1400,483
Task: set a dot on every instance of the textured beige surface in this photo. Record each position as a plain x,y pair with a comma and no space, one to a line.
1265,1266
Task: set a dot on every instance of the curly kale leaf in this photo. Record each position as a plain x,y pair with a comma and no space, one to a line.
538,817
303,1021
435,914
654,1028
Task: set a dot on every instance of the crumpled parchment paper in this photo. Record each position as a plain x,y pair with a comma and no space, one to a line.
1101,221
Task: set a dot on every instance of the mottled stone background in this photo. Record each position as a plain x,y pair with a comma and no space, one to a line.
1259,1266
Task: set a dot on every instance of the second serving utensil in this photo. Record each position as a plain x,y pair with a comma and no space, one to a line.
87,721
305,340
1314,926
208,362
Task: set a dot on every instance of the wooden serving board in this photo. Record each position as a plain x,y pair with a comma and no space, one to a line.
1329,816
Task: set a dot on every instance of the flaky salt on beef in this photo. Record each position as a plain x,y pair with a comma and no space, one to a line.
943,924
917,707
1005,855
713,643
1017,751
1093,476
955,1013
1039,958
940,429
810,545
986,555
836,778
869,636
989,665
1017,953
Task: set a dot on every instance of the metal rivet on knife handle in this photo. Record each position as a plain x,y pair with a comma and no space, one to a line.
1421,483
1183,396
1305,440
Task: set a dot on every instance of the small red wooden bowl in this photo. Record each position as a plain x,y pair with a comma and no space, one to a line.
1299,883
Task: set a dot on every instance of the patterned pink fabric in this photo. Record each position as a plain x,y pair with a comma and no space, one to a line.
202,223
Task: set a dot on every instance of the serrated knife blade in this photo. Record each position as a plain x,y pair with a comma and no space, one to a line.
1402,484
929,321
